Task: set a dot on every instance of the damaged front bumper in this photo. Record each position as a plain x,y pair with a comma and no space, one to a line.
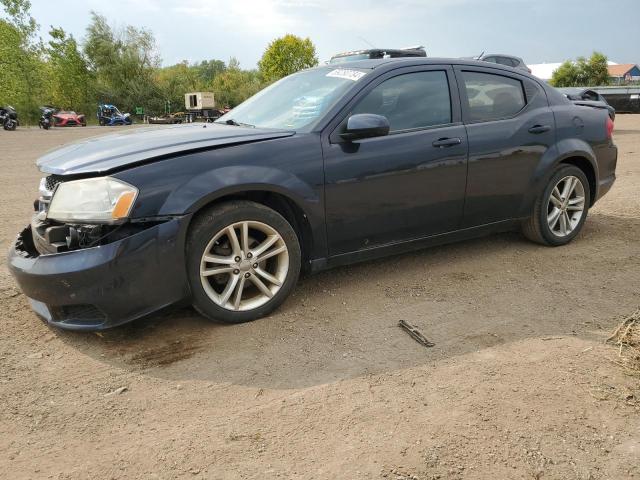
106,285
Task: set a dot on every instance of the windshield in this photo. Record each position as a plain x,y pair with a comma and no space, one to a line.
296,101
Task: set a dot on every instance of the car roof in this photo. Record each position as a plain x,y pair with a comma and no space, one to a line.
380,50
390,63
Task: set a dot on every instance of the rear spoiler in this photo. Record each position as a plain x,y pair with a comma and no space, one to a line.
596,104
589,103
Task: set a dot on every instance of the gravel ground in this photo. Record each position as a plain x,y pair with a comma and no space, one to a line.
518,385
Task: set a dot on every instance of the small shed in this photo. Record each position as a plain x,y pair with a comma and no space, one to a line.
624,73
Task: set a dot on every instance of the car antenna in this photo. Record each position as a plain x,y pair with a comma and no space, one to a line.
367,42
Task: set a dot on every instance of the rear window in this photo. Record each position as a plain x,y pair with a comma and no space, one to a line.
492,97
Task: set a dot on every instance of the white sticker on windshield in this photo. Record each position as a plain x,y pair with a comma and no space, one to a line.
354,75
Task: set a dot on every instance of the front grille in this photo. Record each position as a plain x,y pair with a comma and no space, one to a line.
52,181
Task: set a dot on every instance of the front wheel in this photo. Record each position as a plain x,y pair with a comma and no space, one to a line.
561,210
10,125
243,260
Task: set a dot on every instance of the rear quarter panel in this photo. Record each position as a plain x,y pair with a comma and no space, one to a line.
582,131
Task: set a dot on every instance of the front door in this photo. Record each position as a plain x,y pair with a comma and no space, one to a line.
406,185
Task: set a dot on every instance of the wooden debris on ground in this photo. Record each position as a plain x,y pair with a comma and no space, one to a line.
627,338
415,334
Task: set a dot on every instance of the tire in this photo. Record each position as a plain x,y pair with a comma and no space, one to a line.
101,122
209,234
541,227
10,125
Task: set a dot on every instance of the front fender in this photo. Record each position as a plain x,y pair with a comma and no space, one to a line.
289,166
209,186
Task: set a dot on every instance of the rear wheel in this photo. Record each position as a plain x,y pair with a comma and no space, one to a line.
561,210
243,260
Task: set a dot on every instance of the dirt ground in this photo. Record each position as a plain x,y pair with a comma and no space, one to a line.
519,384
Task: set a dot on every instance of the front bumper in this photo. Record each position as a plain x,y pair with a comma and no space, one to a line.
108,285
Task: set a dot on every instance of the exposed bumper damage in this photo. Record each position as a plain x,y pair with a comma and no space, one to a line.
116,276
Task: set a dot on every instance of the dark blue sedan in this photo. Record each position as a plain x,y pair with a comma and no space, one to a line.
326,167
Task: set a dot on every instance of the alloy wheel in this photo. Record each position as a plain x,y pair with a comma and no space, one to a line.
566,206
244,265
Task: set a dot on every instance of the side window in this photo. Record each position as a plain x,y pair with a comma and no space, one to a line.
412,100
492,97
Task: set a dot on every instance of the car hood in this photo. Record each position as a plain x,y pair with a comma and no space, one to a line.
111,152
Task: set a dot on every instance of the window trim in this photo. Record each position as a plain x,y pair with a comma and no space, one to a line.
464,100
333,127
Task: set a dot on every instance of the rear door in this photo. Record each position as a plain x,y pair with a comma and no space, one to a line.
509,127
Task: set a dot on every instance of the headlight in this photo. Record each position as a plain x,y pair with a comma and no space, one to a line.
93,200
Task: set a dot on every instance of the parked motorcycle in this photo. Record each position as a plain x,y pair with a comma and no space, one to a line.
46,117
8,118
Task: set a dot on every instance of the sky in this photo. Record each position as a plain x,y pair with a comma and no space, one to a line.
536,30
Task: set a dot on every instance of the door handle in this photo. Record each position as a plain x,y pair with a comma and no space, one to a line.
446,142
537,129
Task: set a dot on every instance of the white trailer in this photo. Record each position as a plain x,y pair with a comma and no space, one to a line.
200,106
199,101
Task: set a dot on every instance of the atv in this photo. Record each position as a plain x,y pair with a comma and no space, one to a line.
110,115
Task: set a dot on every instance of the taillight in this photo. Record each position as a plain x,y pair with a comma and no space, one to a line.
609,128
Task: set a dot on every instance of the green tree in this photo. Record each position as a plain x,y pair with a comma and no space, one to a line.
207,70
10,51
71,84
18,12
596,69
124,63
235,85
583,72
176,80
22,70
285,56
567,75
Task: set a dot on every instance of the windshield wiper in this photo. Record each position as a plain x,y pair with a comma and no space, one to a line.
231,121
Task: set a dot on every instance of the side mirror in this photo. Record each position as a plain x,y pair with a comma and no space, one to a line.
365,125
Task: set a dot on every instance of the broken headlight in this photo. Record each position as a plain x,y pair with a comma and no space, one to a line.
92,200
